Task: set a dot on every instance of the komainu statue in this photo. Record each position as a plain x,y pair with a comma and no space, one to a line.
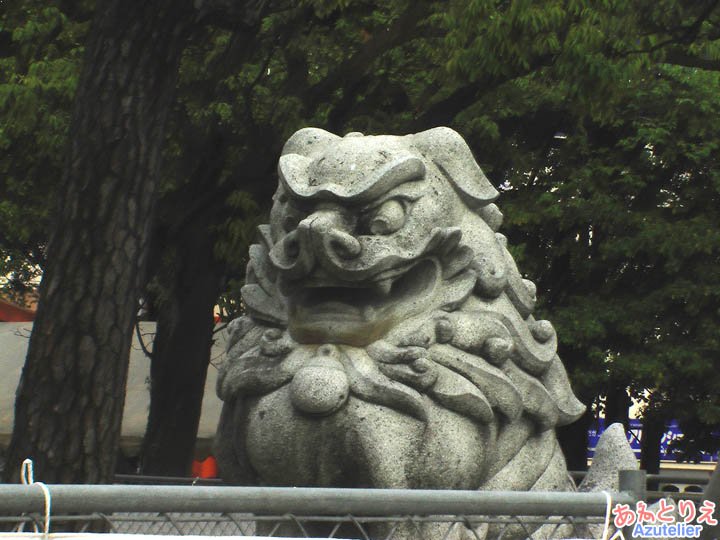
389,339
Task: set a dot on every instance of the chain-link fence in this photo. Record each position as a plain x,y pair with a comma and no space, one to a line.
376,514
321,526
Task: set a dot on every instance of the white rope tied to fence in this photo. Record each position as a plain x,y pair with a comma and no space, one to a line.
27,478
608,511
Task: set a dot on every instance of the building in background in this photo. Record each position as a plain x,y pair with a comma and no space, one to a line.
10,312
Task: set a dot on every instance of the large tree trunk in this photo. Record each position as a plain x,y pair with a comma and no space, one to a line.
573,440
181,348
181,353
652,433
70,401
617,406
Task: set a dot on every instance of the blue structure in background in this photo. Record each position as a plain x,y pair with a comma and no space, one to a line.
672,432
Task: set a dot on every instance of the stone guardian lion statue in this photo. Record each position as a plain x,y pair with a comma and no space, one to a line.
389,340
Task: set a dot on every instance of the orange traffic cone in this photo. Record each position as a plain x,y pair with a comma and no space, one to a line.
208,468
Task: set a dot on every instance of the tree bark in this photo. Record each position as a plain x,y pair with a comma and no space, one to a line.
573,440
653,431
617,406
187,234
180,356
70,400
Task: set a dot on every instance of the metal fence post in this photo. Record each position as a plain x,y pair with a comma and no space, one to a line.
634,483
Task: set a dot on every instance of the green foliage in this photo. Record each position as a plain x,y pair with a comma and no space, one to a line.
606,151
621,228
295,74
597,121
39,67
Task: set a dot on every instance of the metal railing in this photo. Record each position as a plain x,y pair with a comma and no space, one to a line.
687,476
310,512
15,498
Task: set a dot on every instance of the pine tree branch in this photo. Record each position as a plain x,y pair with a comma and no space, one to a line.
444,111
689,34
141,340
231,13
348,73
680,57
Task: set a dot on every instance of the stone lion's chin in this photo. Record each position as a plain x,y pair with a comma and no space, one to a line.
358,314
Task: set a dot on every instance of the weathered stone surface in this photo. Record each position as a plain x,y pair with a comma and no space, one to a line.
672,514
612,454
390,340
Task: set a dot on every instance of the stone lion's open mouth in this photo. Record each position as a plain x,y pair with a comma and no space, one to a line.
359,313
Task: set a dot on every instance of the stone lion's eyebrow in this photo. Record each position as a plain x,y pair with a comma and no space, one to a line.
297,175
396,173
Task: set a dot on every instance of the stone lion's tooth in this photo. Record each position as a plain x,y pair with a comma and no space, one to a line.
383,286
368,313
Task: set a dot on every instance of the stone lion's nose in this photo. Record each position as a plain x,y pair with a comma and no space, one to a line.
344,244
328,236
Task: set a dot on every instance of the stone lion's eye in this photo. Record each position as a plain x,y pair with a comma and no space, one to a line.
290,221
387,218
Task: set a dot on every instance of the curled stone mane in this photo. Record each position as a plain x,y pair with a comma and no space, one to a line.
389,339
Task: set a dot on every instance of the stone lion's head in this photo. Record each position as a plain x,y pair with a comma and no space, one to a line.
382,288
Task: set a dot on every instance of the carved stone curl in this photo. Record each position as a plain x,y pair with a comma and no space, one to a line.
390,340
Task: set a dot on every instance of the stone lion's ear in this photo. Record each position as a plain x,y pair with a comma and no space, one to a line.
308,140
452,156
